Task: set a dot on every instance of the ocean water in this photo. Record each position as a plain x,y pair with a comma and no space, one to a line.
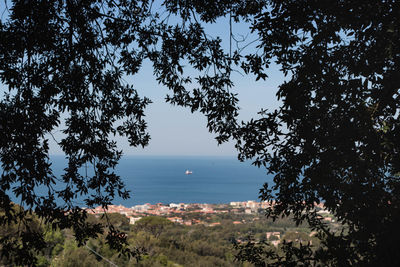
154,179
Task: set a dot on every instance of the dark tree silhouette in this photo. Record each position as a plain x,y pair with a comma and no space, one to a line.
334,139
58,59
62,65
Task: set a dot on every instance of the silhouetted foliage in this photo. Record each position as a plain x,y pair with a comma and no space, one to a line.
58,68
335,138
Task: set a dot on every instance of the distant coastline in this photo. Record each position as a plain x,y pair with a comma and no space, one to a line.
176,212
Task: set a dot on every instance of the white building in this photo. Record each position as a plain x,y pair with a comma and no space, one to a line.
133,220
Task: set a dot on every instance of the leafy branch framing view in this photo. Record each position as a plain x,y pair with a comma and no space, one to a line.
335,138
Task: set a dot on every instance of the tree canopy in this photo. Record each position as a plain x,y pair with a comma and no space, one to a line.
334,139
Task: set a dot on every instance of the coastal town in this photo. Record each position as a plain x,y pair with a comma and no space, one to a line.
236,214
176,212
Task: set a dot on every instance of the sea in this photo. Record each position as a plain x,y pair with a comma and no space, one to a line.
162,179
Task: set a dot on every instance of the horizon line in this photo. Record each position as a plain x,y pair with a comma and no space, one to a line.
164,155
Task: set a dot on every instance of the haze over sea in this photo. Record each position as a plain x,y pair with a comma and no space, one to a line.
153,179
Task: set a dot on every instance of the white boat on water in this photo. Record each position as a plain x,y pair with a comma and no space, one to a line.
187,172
